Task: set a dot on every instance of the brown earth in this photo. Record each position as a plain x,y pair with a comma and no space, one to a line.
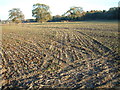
49,57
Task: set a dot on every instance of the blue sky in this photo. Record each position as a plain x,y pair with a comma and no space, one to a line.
56,6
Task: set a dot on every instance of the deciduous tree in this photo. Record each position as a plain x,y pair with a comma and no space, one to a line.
74,12
41,12
16,15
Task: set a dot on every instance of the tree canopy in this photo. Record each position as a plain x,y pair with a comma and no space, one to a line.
41,12
74,12
77,14
16,15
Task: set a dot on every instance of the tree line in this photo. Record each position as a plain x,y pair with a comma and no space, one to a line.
74,15
42,13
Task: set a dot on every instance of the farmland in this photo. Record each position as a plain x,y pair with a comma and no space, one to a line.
60,55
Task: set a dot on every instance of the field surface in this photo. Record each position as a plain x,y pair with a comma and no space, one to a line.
60,55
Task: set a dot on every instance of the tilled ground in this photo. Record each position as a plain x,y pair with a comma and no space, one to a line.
56,58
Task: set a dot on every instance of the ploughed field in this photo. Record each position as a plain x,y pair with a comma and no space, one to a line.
60,55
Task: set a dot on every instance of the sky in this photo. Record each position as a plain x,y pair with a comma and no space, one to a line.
57,7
